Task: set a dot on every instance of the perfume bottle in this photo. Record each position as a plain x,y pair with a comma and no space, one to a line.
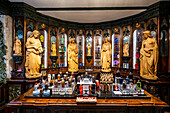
130,78
98,49
81,89
124,84
138,85
127,80
63,83
58,77
59,48
80,41
97,42
116,49
62,39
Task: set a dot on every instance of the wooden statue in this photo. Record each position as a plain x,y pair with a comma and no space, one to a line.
72,56
149,57
126,49
17,47
106,56
88,49
53,48
33,59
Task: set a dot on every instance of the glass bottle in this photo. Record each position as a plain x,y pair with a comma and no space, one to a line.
62,39
97,42
124,84
138,85
80,41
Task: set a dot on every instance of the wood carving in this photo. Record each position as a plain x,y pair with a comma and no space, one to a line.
72,56
33,59
149,55
106,56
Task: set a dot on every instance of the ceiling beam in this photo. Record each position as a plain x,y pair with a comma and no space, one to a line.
90,8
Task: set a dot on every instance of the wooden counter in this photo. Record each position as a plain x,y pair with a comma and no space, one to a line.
153,105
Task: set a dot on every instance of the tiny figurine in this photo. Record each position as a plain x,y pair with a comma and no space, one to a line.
42,38
72,56
33,58
126,49
149,55
106,56
88,49
17,47
53,48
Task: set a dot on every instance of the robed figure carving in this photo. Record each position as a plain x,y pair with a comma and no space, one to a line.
33,59
53,49
106,56
17,47
126,49
149,57
89,50
72,56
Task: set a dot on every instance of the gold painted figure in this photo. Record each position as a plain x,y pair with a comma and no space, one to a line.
126,49
17,47
72,56
106,56
33,59
149,55
53,48
88,49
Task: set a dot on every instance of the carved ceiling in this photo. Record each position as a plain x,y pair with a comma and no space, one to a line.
88,16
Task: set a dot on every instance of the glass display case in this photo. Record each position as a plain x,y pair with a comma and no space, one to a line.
81,46
53,34
19,28
164,37
88,49
97,47
89,42
43,39
126,44
137,43
116,36
62,38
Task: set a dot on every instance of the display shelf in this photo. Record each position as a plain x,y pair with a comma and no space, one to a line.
126,46
81,47
62,38
116,47
97,47
137,43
